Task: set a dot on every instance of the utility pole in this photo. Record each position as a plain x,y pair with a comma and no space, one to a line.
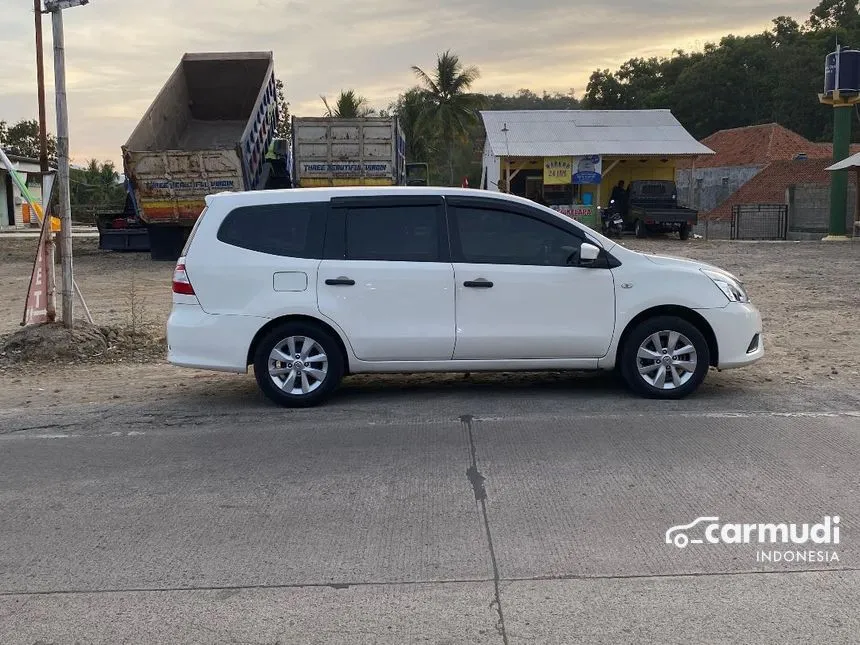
68,289
43,162
40,78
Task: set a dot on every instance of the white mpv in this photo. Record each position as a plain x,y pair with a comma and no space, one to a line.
308,285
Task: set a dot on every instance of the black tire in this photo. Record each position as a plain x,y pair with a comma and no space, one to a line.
684,232
640,230
327,385
629,360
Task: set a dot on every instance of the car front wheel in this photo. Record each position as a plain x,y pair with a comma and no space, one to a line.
665,358
298,365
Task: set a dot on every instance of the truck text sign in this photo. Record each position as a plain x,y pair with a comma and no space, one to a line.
346,169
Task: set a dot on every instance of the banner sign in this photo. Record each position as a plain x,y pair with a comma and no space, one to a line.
589,170
557,171
36,309
583,214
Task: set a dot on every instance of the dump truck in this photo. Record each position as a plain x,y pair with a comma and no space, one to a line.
331,151
209,130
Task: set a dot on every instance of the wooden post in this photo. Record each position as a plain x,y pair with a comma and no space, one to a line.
68,289
50,279
40,81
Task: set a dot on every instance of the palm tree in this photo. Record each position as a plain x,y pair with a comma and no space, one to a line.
409,109
349,105
450,108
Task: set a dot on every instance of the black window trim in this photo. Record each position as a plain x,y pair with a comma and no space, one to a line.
335,241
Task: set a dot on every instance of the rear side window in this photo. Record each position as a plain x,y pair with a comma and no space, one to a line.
292,230
394,233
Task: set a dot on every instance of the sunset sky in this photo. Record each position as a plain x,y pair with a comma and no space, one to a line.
120,52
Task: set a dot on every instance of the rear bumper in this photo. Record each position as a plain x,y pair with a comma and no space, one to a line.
738,329
211,342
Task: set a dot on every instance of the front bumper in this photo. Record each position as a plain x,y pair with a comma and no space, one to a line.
738,330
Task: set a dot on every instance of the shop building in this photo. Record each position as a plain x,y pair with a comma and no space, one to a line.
571,159
14,211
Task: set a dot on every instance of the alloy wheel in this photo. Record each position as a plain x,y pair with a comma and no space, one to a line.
667,360
298,365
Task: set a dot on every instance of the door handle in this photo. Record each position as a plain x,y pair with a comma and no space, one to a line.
340,281
478,284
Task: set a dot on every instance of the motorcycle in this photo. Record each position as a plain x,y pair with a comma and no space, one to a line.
611,221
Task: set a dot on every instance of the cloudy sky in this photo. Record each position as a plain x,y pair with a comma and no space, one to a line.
119,52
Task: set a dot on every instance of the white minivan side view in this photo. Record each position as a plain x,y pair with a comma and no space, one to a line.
308,285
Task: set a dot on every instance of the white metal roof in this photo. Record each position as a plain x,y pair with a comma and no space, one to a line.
851,162
549,133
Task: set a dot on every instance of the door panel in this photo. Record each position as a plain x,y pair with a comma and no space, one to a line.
541,304
533,312
389,283
395,311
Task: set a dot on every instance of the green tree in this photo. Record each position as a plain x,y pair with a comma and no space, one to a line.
450,109
95,188
831,14
23,139
525,99
282,130
349,105
604,91
421,140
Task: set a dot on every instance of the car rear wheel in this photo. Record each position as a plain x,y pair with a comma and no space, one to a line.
298,365
665,358
640,230
684,232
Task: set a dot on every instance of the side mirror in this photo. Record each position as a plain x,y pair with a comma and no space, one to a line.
588,253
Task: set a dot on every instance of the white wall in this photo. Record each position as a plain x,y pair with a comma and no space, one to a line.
492,169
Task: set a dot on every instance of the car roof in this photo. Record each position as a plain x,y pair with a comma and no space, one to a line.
258,197
230,200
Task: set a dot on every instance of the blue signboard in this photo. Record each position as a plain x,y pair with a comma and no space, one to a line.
588,170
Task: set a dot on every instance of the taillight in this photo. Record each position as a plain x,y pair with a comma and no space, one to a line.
181,283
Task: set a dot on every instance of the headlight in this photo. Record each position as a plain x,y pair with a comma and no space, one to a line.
732,289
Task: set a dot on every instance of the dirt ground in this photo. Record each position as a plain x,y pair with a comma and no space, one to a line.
807,292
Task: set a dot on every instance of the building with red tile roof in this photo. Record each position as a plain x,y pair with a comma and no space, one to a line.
757,145
752,165
772,183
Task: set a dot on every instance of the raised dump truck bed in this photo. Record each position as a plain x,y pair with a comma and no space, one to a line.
207,131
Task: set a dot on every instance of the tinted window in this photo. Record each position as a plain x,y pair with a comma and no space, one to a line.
292,230
406,233
490,236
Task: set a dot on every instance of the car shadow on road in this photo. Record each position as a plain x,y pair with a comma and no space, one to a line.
536,390
582,385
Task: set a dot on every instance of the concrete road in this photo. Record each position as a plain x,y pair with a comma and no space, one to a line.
440,515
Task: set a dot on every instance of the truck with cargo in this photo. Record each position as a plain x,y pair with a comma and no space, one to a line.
208,130
331,151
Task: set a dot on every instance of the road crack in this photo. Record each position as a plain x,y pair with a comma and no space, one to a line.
476,479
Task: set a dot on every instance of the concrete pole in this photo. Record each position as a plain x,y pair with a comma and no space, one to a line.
65,213
842,115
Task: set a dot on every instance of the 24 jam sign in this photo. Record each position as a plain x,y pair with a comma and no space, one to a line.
557,171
